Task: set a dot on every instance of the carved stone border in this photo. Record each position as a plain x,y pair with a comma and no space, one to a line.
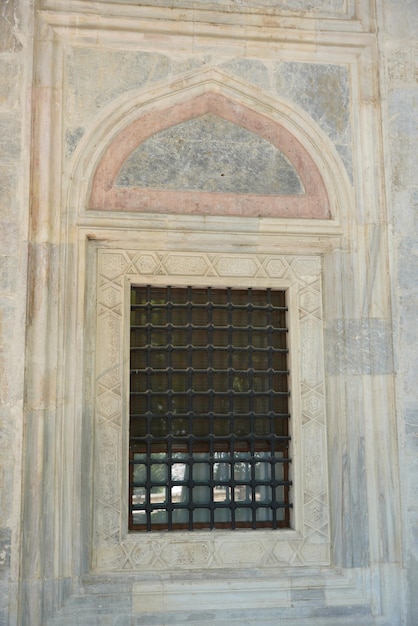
309,542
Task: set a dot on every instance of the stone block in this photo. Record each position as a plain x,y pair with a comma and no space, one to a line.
358,347
310,85
5,551
95,76
10,149
8,22
8,186
10,83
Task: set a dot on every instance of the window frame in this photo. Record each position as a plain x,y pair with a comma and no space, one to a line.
307,542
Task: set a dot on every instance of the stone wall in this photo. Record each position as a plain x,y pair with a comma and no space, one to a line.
399,65
16,21
344,80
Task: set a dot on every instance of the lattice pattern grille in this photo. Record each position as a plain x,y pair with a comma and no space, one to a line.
209,433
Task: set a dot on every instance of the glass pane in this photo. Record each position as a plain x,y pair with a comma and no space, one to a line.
201,516
220,382
158,494
200,359
158,338
158,316
240,339
242,426
220,338
222,515
222,493
220,359
240,317
241,360
241,383
260,339
242,493
159,516
180,516
179,426
138,427
281,426
158,360
179,338
200,382
260,361
261,404
179,359
220,404
263,494
243,515
158,381
159,404
201,494
139,517
222,472
221,426
138,495
199,338
220,317
138,337
138,317
159,427
260,382
201,427
279,471
179,316
159,473
200,404
138,359
140,474
265,514
262,426
138,382
179,472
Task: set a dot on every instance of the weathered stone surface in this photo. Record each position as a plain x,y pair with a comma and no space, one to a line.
9,138
10,73
210,154
329,8
358,347
310,86
315,65
5,550
115,73
8,20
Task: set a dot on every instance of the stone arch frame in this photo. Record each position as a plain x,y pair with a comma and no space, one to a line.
100,152
106,196
96,163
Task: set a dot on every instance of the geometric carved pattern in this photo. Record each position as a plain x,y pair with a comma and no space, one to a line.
308,544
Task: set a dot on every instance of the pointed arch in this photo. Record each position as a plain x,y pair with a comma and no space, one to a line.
106,195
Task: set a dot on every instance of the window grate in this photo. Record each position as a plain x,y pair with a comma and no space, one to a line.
209,435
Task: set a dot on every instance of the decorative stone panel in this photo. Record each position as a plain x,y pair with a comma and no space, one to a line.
308,541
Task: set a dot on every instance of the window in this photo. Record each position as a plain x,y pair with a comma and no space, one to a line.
209,418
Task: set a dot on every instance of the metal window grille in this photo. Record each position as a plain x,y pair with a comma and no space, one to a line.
209,434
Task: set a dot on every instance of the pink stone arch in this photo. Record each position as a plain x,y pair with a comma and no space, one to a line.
105,196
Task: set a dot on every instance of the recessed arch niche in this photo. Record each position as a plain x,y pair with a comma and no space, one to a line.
209,155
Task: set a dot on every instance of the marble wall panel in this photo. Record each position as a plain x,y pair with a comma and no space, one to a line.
358,347
401,137
210,154
307,84
327,8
